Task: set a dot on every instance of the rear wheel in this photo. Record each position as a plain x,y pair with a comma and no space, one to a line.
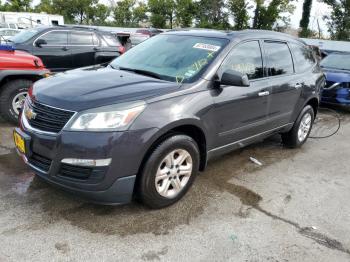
12,97
301,129
169,172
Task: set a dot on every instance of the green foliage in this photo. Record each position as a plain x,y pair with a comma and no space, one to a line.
239,9
17,5
212,14
339,20
123,12
268,15
162,13
184,12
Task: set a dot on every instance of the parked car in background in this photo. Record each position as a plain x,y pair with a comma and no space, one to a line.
149,31
337,69
18,71
7,33
149,121
62,48
138,38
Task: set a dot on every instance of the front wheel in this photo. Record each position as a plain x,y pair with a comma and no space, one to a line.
169,171
301,129
12,97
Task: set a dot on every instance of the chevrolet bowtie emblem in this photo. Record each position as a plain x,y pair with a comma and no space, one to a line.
30,114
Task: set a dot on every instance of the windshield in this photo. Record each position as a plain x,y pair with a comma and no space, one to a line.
174,58
337,61
25,35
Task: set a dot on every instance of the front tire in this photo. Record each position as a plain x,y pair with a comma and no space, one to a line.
301,130
169,171
12,96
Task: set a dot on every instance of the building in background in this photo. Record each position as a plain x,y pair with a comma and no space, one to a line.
21,20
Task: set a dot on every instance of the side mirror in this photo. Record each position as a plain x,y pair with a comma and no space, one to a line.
234,78
40,42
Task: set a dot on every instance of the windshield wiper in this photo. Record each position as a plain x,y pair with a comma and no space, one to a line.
141,72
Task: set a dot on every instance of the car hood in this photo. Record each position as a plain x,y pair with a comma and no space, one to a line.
337,76
92,87
16,60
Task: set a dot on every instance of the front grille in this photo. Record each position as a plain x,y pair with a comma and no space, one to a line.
93,174
47,118
40,162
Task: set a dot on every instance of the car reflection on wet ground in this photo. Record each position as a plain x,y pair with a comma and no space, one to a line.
293,207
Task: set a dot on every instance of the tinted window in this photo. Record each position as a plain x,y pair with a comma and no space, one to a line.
303,57
245,58
279,58
81,38
55,38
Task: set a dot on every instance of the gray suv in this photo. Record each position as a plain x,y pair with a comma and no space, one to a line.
144,125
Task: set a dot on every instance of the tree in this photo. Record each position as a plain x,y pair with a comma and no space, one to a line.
239,9
45,6
267,16
123,12
339,20
162,13
212,14
99,14
184,12
305,20
139,13
18,5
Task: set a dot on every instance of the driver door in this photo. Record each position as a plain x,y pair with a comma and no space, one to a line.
55,52
241,112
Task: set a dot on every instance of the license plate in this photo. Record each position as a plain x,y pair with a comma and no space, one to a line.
19,142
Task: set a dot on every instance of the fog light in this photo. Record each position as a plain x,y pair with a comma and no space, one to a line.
87,162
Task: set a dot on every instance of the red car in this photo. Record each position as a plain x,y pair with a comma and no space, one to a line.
18,71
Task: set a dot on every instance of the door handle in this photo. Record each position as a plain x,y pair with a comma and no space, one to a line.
298,85
265,93
64,48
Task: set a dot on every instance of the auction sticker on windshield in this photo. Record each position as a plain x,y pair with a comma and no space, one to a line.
213,48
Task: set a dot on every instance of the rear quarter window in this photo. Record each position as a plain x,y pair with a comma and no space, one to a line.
303,57
279,58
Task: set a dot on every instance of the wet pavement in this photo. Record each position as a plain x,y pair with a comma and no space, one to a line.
292,208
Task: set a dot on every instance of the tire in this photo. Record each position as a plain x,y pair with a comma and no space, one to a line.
149,192
12,90
292,138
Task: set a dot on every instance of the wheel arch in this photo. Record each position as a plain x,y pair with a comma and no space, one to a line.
314,103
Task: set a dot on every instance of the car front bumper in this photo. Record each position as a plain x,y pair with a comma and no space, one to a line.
112,184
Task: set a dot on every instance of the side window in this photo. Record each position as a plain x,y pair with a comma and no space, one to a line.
245,58
59,38
81,38
279,58
303,57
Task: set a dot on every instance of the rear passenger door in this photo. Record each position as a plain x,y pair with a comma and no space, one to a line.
83,46
54,53
240,112
286,86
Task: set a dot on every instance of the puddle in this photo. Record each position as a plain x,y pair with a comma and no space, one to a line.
56,205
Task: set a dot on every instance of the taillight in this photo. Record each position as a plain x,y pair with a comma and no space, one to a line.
121,49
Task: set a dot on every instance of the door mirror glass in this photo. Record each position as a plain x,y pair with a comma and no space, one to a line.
40,42
234,78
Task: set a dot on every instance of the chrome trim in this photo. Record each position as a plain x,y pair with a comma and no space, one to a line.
244,139
332,86
26,124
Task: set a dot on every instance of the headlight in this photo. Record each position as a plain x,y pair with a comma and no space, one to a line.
115,117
